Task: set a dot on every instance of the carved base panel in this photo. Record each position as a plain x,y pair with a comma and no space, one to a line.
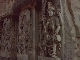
47,58
22,57
5,54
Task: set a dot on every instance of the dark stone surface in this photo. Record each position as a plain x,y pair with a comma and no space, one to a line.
18,3
2,58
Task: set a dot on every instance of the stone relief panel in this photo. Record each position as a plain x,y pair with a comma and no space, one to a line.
7,35
49,30
24,43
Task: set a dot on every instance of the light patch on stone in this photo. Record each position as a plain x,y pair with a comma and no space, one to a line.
75,58
22,57
58,37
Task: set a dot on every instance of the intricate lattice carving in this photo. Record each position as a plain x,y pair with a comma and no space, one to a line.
25,30
42,42
7,35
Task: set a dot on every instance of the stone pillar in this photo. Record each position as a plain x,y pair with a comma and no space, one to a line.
35,33
63,32
15,38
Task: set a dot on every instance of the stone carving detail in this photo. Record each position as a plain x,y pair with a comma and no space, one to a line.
7,35
25,30
42,41
50,39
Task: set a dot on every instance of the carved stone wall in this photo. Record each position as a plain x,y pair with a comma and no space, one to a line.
67,49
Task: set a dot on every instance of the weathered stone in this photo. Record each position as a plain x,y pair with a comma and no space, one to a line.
34,20
24,44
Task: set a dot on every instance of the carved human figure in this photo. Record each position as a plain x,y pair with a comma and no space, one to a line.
53,28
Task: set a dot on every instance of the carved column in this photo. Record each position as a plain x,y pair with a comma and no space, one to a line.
42,38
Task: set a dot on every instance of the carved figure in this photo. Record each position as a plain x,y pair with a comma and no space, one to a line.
53,28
